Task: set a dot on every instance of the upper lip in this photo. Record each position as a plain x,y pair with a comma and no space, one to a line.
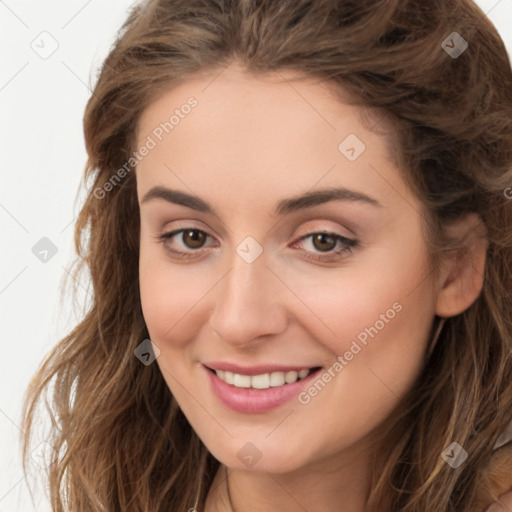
254,370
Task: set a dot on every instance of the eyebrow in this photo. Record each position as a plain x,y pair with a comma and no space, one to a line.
284,207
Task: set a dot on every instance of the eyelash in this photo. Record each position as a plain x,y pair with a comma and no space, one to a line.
350,244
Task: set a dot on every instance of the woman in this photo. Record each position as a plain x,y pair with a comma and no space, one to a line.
299,236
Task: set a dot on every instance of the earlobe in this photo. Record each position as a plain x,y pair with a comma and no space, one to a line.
462,276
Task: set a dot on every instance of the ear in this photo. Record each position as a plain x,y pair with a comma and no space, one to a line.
462,274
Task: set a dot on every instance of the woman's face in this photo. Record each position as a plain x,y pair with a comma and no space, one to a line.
248,278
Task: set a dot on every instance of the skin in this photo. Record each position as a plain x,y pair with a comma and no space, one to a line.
249,143
504,504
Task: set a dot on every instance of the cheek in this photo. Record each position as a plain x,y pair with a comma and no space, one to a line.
168,293
382,301
381,332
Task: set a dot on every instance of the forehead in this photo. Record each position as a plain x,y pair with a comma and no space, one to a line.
257,133
234,98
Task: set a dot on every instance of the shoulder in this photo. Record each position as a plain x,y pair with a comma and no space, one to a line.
495,485
504,503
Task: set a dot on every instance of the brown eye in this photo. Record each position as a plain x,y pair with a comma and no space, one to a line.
187,243
193,238
321,246
324,241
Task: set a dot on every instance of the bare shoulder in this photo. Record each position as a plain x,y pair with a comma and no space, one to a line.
494,492
504,504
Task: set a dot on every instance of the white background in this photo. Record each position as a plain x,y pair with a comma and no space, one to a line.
42,158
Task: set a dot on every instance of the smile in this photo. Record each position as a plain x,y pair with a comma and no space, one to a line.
257,394
263,381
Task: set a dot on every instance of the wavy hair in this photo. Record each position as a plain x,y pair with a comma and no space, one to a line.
120,439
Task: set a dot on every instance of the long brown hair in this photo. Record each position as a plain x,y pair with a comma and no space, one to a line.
120,439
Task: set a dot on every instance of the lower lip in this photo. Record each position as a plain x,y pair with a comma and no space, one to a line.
256,401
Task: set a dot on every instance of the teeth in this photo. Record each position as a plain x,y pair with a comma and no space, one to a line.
276,379
260,381
303,373
263,381
241,381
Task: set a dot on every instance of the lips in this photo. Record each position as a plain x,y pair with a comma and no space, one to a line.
256,401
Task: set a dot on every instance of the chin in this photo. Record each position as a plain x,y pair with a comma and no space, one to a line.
254,458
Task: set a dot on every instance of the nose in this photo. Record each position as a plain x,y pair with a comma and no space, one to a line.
249,303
